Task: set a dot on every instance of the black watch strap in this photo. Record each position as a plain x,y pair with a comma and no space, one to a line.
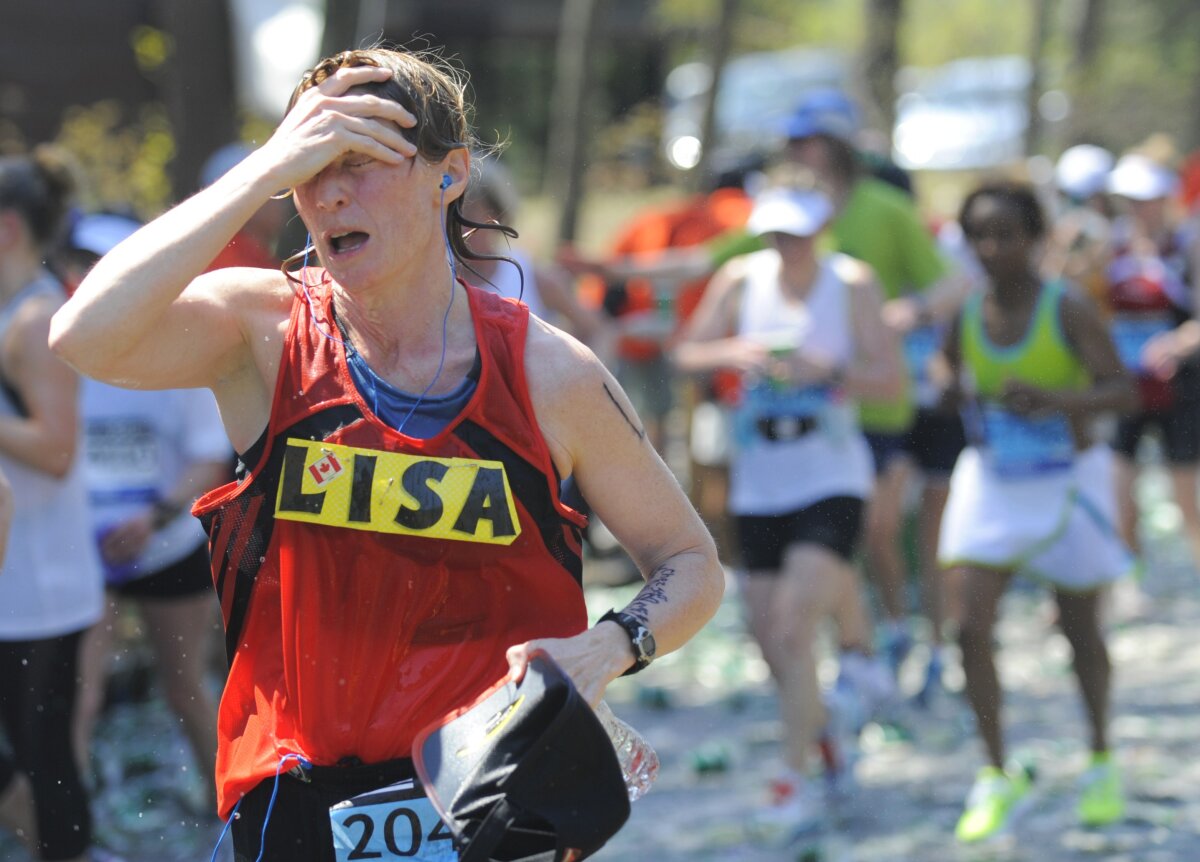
641,639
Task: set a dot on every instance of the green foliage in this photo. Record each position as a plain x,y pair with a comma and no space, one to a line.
934,32
123,161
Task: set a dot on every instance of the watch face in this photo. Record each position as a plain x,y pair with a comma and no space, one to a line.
645,643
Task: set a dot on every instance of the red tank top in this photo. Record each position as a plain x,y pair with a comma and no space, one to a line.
371,582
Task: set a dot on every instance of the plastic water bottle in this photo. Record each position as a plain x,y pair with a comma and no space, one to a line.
639,762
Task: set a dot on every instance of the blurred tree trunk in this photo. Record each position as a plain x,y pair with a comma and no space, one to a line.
198,86
1037,50
352,24
1082,70
1193,132
881,60
341,26
718,53
571,105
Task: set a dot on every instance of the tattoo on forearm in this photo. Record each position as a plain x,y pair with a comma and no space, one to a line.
636,430
654,593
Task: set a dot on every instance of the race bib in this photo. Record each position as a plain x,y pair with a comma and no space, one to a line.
765,401
393,822
1132,334
1021,446
920,345
122,460
460,499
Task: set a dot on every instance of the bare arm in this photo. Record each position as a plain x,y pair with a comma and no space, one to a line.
674,265
706,343
127,540
595,435
555,288
1164,353
877,371
6,513
46,438
142,317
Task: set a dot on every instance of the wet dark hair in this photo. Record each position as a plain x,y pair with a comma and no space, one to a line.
1020,196
39,186
435,92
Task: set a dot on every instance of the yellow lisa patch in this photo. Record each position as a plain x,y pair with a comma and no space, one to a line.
461,499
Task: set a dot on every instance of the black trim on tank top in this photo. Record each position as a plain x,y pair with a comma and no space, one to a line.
240,530
530,486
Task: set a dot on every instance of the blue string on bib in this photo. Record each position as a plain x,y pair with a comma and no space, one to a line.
376,379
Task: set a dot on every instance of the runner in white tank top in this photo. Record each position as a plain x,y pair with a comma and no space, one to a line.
50,582
834,461
807,334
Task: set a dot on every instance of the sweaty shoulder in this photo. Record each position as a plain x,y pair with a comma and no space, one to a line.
564,378
245,288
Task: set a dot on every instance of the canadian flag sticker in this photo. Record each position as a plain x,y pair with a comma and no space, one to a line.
325,470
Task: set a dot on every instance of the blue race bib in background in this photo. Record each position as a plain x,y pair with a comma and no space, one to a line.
1132,334
1021,446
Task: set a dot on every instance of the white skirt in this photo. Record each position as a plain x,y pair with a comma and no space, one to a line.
1059,527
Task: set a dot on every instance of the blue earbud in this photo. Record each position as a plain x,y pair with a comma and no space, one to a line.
446,181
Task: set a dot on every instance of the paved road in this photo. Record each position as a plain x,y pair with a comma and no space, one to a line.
713,697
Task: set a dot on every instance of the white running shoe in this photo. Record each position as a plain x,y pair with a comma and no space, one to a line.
872,682
796,811
839,744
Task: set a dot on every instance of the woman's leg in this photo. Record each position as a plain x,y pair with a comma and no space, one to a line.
1183,485
982,592
1125,473
786,609
94,653
1079,619
179,630
938,595
16,793
885,517
37,703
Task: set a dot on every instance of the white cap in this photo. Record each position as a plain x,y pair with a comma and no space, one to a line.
100,233
1140,178
790,211
1082,171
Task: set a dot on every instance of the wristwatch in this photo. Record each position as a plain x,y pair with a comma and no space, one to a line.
640,638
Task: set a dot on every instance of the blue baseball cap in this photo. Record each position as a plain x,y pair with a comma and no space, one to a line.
824,112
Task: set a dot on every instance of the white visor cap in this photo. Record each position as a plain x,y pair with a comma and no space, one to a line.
789,211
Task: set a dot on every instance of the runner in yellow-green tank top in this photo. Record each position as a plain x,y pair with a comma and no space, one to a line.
1034,364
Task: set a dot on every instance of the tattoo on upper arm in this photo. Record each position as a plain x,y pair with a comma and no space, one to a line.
636,430
654,593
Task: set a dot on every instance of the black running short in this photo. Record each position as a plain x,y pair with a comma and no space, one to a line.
1178,427
297,823
834,523
188,577
934,442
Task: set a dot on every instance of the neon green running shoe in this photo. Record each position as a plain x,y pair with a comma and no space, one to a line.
1101,801
991,802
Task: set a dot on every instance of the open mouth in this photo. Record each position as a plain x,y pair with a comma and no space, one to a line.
346,242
